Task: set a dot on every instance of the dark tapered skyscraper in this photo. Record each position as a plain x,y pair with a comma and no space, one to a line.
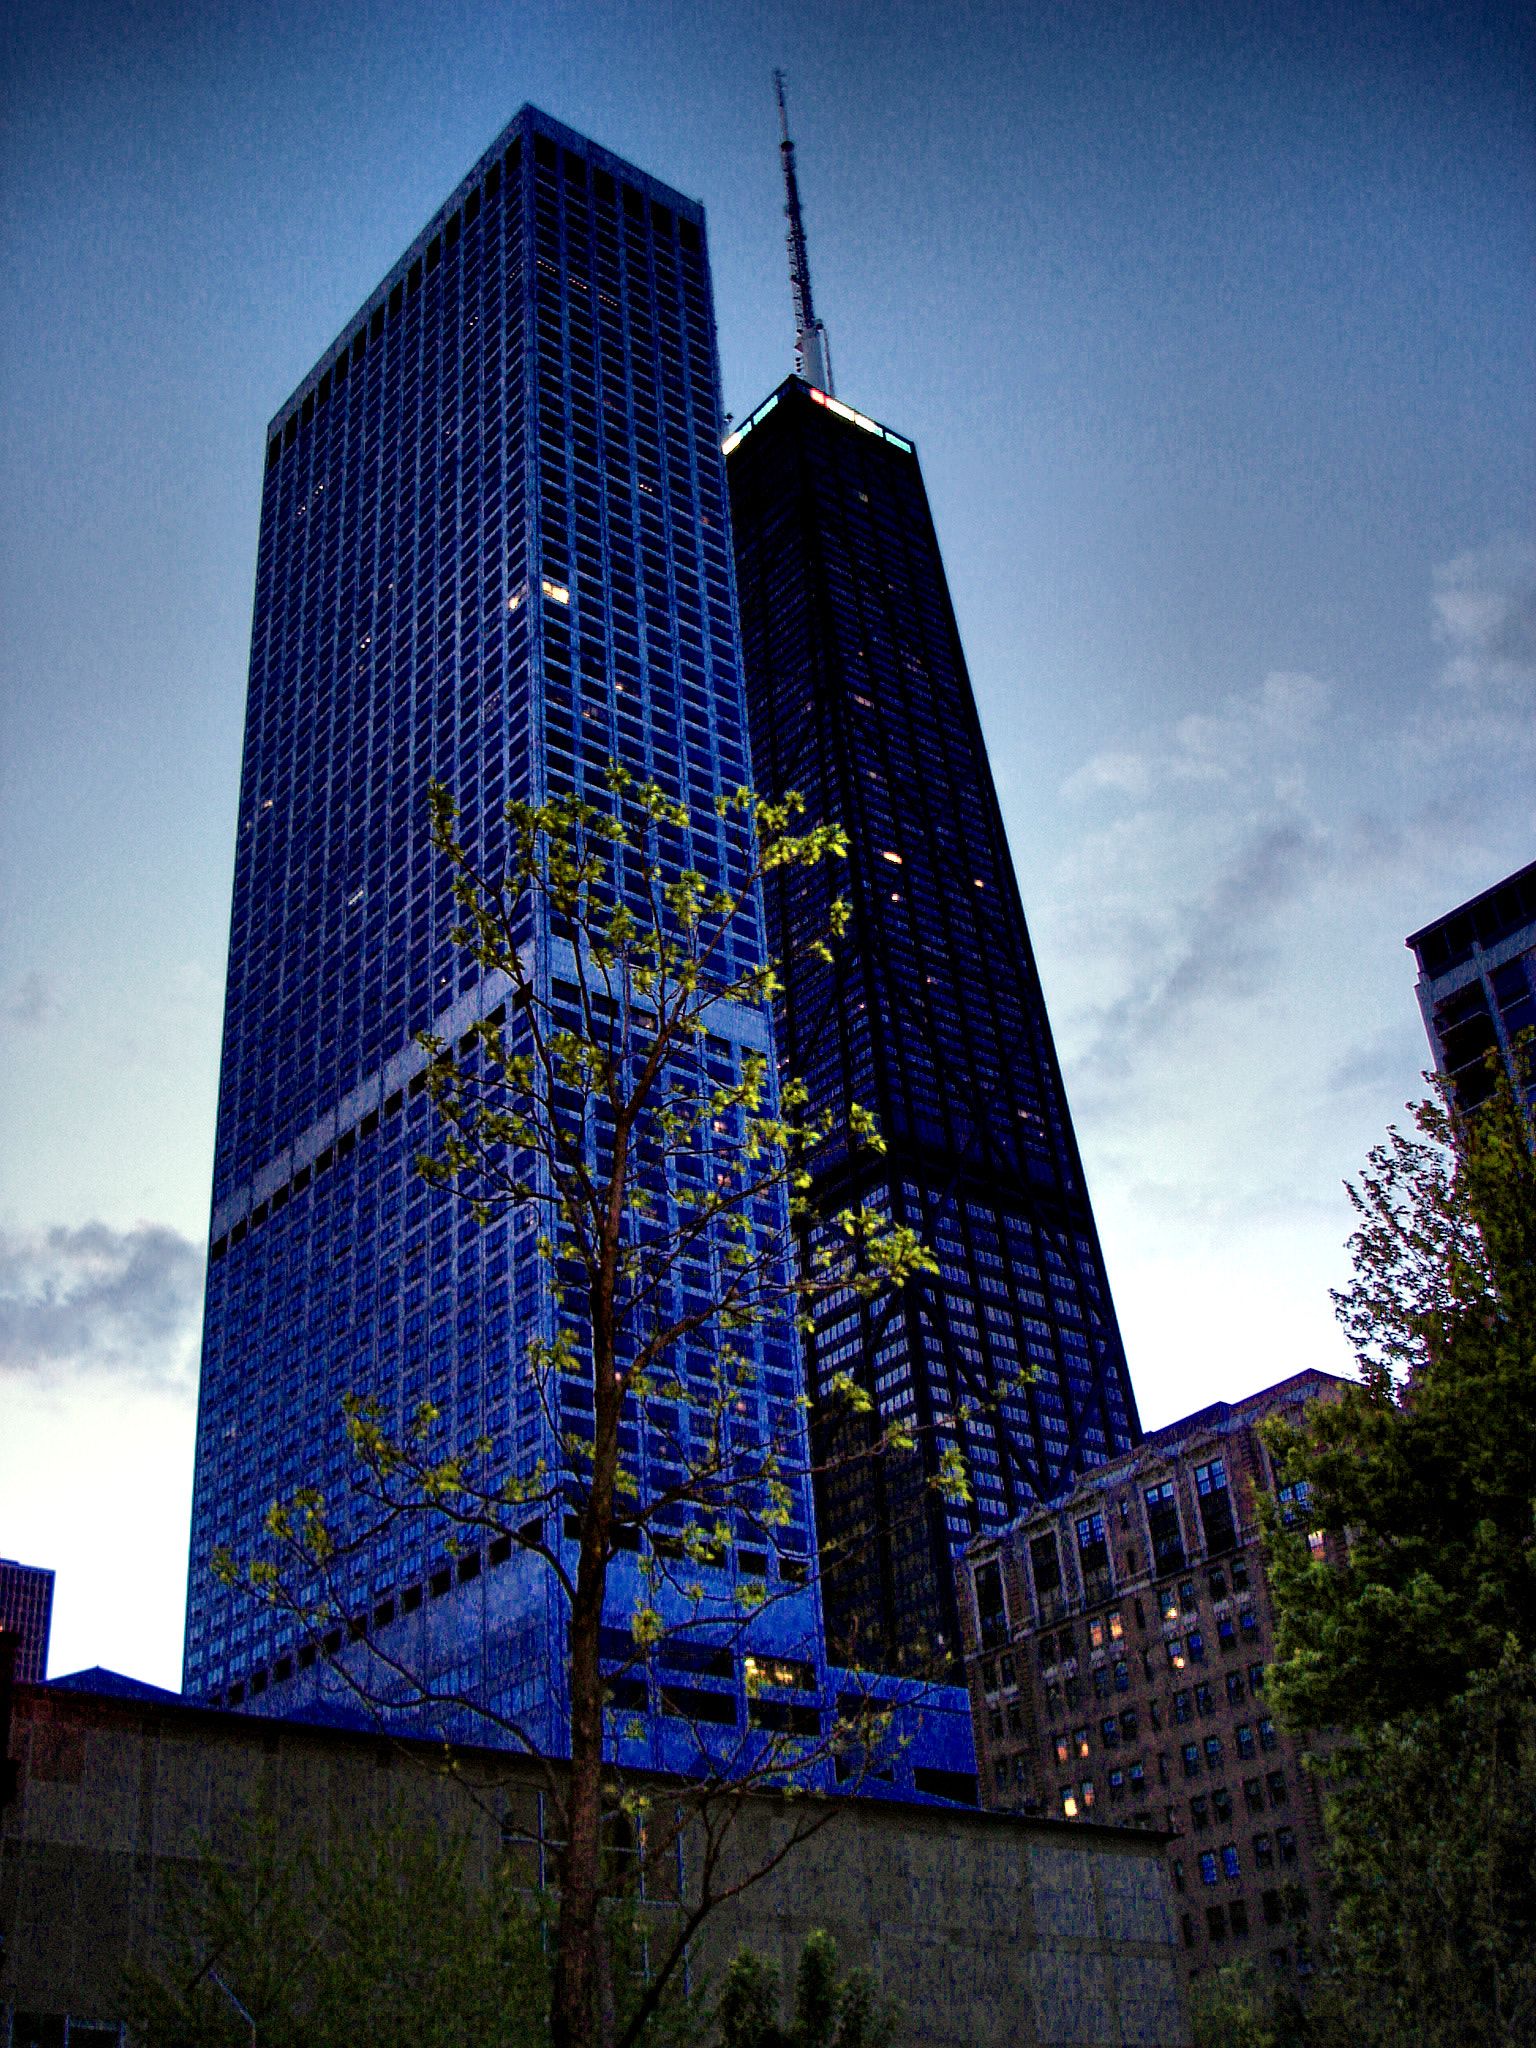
932,1016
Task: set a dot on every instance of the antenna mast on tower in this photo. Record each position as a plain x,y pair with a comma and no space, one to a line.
813,357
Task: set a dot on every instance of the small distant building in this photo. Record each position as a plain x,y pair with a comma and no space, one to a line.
1477,984
26,1609
1117,1645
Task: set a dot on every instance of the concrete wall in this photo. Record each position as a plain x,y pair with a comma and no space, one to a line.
987,1927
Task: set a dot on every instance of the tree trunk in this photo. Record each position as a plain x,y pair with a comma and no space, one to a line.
576,1973
575,1957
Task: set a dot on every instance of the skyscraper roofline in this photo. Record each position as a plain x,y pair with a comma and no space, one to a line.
534,120
799,384
1217,1418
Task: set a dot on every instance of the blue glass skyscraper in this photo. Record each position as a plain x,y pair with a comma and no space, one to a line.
494,549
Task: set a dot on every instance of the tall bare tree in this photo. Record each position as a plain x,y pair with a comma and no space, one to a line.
666,1193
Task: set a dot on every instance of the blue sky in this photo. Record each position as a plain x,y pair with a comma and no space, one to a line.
1214,327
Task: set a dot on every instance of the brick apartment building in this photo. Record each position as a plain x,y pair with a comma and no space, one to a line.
1117,1643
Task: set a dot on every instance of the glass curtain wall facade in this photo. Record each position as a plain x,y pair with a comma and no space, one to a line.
932,1016
493,549
1477,988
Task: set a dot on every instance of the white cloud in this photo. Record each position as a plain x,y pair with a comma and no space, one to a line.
98,1361
1222,950
1251,736
1485,605
1467,748
97,1301
1193,842
35,1000
1238,864
1130,774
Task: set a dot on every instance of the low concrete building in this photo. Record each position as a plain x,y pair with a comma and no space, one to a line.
1117,1642
987,1927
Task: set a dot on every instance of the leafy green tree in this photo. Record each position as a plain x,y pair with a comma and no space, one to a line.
228,1931
1427,1470
416,1954
829,2012
1410,1640
386,1943
1431,1823
669,1204
749,2004
1234,2006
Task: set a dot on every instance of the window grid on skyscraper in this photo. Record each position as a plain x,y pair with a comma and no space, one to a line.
494,550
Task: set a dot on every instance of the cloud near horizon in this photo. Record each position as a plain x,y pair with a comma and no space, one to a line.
1480,725
1485,606
1217,849
1199,839
34,1001
97,1303
1222,939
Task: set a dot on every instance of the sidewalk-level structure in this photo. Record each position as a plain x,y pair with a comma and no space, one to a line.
987,1927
